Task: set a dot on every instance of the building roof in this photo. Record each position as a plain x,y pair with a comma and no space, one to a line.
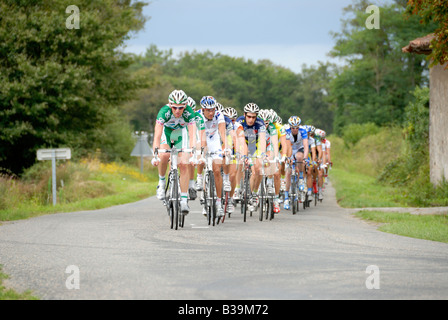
420,45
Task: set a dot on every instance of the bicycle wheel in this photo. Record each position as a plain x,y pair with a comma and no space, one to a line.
271,208
262,199
212,200
293,195
175,199
226,203
246,190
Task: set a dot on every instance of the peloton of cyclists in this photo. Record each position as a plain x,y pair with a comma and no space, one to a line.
258,134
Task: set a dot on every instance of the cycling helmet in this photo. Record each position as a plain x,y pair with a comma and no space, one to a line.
312,129
273,116
208,102
251,108
279,120
178,97
191,103
320,133
230,112
294,122
219,107
265,115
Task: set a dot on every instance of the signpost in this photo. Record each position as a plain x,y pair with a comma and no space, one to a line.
53,155
142,148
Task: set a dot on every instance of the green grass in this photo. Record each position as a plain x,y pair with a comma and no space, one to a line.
89,185
428,227
357,190
9,294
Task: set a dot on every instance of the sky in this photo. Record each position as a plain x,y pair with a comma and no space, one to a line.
290,33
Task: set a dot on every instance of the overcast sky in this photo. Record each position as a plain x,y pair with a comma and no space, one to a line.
287,32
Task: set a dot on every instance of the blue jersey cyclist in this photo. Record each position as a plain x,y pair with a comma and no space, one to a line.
255,136
298,137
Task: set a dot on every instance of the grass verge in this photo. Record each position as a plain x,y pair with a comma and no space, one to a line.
357,190
427,227
9,294
88,185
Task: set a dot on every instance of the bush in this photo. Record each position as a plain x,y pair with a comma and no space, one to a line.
355,132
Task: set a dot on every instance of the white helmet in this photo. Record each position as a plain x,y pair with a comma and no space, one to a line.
294,121
178,97
251,108
320,133
219,107
191,103
265,115
230,112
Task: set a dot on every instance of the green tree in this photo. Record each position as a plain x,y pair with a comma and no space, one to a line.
60,86
374,86
434,13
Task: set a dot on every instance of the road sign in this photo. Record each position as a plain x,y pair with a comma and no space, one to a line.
142,148
53,155
60,154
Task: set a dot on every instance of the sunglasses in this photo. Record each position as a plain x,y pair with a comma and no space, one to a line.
178,108
251,117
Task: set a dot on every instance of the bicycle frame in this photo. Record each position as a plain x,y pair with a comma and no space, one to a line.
172,194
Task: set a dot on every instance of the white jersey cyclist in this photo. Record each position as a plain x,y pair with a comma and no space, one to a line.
212,133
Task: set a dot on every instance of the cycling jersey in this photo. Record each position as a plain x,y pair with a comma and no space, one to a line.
296,140
271,131
280,133
166,118
212,133
175,131
251,133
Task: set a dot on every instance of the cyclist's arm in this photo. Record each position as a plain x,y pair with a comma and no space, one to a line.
306,149
158,130
285,147
222,133
192,133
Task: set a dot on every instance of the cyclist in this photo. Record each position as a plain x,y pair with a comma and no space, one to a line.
200,142
326,149
299,142
311,168
255,140
236,140
318,136
171,130
215,131
284,148
271,149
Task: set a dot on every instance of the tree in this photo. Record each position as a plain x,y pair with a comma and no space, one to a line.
374,86
433,12
59,85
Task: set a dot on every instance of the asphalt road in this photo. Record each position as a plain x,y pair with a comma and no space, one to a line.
129,252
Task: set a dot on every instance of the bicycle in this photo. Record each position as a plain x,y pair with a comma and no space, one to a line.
209,191
172,194
266,199
226,194
245,189
294,193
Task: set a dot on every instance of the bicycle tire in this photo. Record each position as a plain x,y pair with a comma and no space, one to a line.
246,191
226,203
212,197
208,199
175,199
261,201
271,209
293,195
